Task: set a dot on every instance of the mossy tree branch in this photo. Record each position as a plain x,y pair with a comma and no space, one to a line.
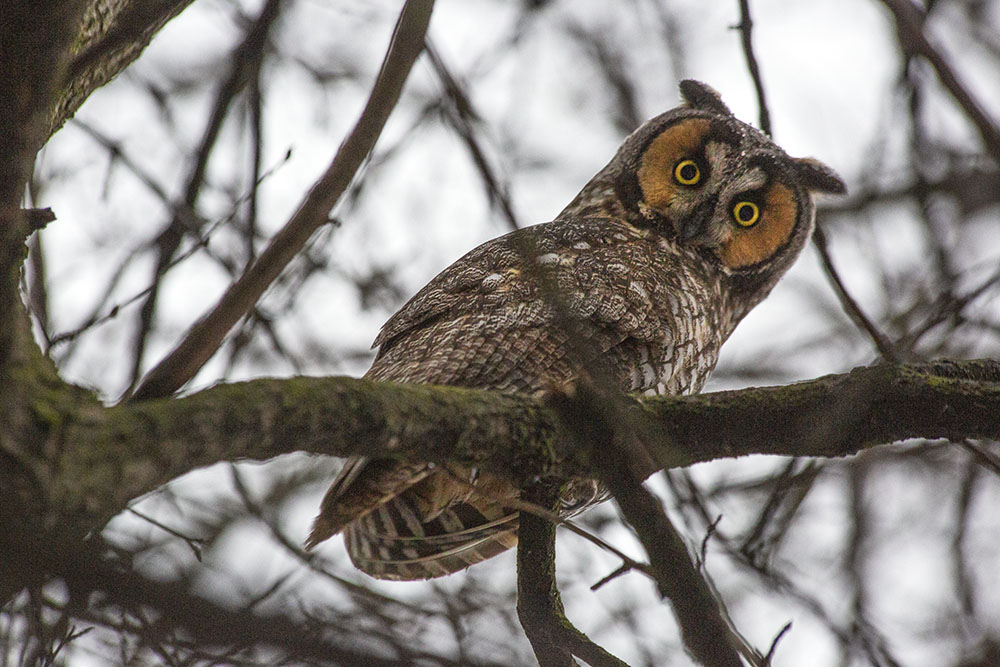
89,461
836,415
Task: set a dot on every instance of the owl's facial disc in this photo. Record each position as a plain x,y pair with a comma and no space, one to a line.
714,193
679,174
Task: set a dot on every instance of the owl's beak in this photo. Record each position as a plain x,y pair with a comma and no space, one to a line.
694,227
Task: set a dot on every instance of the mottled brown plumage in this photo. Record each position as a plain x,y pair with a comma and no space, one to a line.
651,267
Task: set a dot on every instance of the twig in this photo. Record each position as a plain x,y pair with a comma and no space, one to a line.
246,62
909,30
746,29
703,551
37,292
614,69
205,336
463,117
885,348
950,306
986,459
38,218
124,592
201,244
193,543
628,563
774,643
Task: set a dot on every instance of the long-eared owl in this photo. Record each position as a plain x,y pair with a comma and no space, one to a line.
657,259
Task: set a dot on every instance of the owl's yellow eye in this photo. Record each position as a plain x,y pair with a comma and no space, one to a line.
746,213
687,172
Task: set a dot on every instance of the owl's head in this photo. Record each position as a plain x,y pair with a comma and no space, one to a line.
717,185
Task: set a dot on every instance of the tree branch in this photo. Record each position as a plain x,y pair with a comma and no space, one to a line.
615,443
112,35
204,338
142,445
104,590
34,44
746,34
884,346
539,606
246,61
913,41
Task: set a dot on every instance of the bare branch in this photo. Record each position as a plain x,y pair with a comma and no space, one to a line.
246,61
148,443
909,30
111,36
463,117
884,346
746,33
593,421
539,605
204,338
628,564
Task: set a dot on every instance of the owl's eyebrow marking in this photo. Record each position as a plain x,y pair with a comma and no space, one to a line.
717,151
753,179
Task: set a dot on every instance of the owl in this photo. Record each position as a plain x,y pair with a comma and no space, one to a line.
655,262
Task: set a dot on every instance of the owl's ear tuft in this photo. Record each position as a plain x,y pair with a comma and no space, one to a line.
702,96
818,177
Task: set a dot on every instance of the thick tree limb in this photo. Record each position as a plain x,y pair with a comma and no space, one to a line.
40,88
68,464
34,43
107,456
112,34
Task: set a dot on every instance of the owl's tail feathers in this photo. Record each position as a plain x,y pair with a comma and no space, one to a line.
389,544
352,493
413,521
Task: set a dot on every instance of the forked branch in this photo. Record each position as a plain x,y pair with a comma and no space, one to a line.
539,605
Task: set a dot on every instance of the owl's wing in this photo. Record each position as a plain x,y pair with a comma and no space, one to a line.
491,319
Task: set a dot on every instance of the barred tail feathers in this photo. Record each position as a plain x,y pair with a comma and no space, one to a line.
392,543
362,485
